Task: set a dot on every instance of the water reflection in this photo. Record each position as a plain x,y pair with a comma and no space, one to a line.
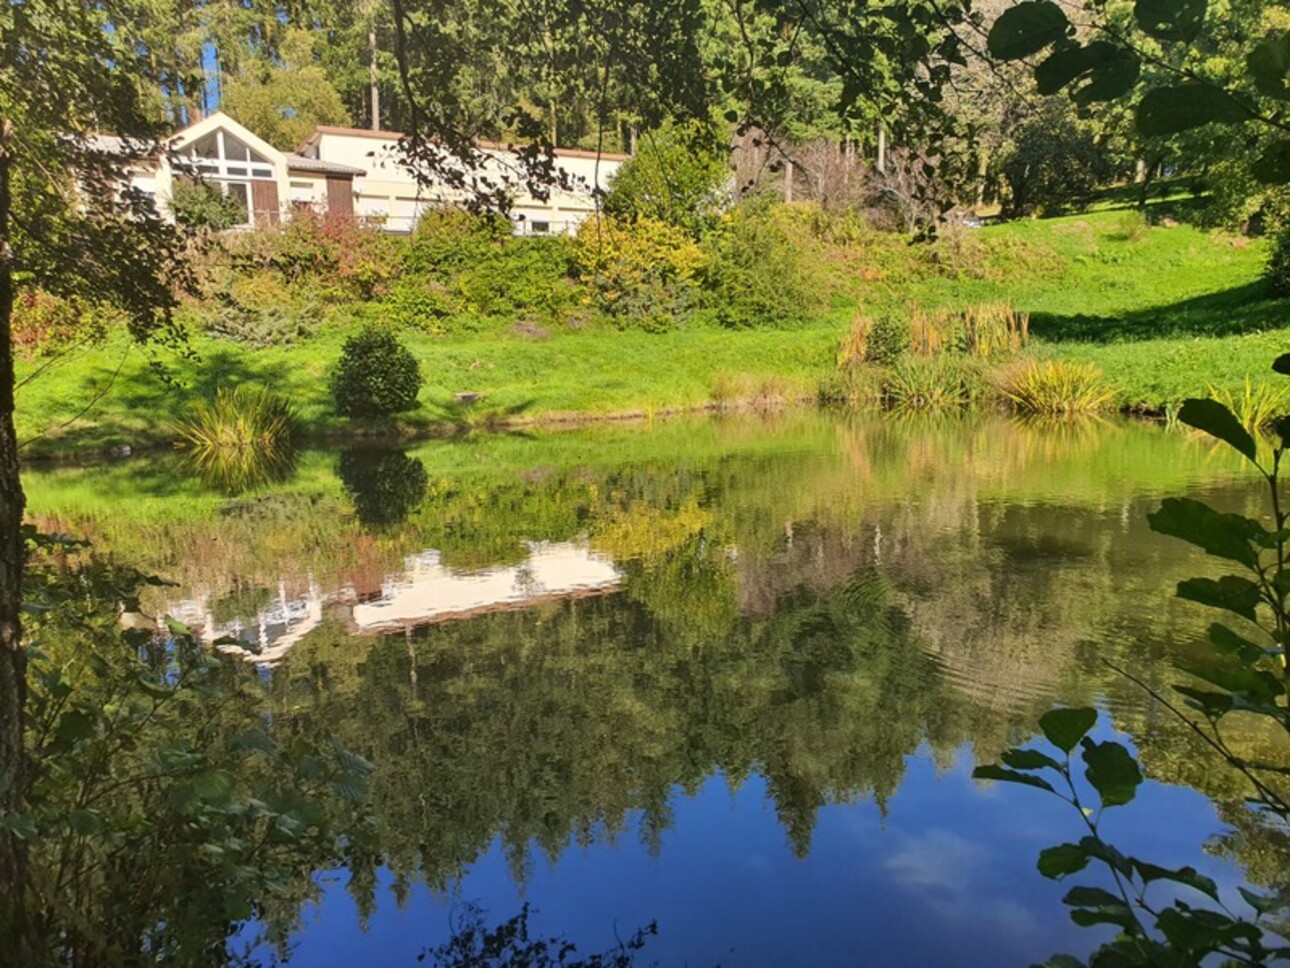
598,638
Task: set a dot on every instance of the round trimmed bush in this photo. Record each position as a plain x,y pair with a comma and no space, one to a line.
377,375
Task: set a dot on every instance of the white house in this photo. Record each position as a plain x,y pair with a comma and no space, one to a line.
350,173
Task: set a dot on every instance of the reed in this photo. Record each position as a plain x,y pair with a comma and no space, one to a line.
855,342
1056,387
983,330
241,440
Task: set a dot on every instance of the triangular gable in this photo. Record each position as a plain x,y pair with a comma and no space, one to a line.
219,120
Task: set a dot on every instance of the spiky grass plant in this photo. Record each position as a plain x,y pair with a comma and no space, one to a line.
937,384
241,440
1056,387
1256,405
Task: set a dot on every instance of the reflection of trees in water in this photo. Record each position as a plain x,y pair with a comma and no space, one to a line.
779,616
385,484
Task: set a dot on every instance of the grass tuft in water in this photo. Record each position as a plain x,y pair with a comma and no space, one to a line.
240,441
1056,387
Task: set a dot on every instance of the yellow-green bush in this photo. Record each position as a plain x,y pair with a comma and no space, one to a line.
642,273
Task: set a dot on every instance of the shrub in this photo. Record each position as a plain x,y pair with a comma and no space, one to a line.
529,277
202,205
419,303
1056,387
643,273
888,340
242,439
675,177
447,240
756,274
377,376
43,323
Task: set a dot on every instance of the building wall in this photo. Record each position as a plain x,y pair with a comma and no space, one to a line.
389,191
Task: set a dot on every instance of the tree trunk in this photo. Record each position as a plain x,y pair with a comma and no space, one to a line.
788,181
374,80
882,149
14,882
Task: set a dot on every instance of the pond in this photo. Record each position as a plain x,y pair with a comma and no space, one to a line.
728,675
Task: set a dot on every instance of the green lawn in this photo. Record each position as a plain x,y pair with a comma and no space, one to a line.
1165,312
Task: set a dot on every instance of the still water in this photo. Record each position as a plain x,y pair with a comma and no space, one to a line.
731,676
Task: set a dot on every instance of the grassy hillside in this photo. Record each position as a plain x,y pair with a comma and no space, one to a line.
1164,310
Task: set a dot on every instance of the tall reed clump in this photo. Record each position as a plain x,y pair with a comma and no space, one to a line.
985,330
1056,387
241,440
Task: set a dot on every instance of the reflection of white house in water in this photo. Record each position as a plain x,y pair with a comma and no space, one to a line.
425,593
431,592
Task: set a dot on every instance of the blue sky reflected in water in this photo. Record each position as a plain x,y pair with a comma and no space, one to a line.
946,877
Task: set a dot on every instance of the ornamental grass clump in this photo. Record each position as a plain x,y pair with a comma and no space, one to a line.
1056,387
1256,405
377,376
940,383
241,440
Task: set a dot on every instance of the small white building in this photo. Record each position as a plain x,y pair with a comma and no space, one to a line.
351,173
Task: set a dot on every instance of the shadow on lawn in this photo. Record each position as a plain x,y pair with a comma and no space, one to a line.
146,397
1232,312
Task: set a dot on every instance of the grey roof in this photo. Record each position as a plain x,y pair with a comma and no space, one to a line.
301,163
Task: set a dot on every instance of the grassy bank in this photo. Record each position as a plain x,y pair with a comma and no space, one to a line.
1165,311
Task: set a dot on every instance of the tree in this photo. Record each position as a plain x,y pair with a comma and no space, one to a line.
676,177
68,72
284,101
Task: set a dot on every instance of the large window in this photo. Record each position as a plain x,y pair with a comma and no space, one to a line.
221,159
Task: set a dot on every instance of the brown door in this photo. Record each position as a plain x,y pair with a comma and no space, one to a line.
340,196
264,202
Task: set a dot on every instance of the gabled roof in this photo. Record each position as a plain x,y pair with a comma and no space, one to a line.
219,120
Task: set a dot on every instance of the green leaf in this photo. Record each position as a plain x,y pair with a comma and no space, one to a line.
1213,418
1171,19
1120,915
1228,536
1064,728
19,825
1269,65
993,772
1196,931
84,822
1055,862
1168,110
1210,703
1230,593
1112,771
1026,29
1227,642
1111,71
350,787
1259,685
1272,167
1183,875
74,725
1062,961
1263,903
1091,897
213,786
1028,760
